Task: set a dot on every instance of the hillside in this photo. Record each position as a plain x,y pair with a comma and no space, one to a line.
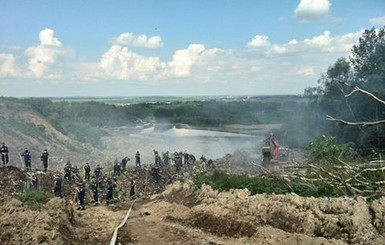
21,127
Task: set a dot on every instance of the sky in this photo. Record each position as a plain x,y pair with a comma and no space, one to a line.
58,48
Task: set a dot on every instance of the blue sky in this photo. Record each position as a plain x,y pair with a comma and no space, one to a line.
179,48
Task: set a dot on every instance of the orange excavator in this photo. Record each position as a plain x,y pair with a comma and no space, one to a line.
274,153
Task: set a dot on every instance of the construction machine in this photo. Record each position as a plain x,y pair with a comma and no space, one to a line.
273,153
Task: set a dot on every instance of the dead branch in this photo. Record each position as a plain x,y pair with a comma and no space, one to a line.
363,124
358,89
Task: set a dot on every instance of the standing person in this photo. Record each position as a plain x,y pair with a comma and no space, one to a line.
132,188
68,172
81,194
137,157
124,162
94,189
4,154
35,181
110,191
57,185
117,168
27,159
98,172
87,171
44,159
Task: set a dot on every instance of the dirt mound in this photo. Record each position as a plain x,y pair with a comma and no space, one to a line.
237,214
41,224
221,225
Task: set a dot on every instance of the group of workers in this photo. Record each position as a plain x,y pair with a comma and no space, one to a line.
25,157
95,180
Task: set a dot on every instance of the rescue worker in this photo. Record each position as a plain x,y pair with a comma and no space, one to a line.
117,169
35,181
81,194
132,188
87,171
94,189
68,171
57,185
110,191
27,159
165,157
178,160
137,159
203,161
124,162
44,159
98,172
158,160
4,154
155,172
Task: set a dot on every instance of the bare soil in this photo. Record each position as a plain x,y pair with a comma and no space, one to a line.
184,215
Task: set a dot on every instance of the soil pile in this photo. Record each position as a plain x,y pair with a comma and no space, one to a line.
263,219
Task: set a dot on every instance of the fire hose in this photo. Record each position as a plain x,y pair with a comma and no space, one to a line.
115,234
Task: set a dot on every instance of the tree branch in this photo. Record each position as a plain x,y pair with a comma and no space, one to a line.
363,124
358,89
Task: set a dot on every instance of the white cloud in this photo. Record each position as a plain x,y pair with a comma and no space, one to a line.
310,10
324,43
183,60
44,56
378,21
320,41
305,71
121,63
258,41
7,65
141,41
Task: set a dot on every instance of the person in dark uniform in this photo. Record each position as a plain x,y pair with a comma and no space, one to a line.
132,188
68,171
44,159
137,159
124,162
4,154
110,191
81,195
98,172
117,168
94,188
57,186
27,159
35,181
87,172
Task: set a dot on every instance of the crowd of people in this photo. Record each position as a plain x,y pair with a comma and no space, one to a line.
93,178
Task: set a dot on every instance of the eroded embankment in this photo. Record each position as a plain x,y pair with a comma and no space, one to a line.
237,214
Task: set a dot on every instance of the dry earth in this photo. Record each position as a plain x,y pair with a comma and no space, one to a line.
183,214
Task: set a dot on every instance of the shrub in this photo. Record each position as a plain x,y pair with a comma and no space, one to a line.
222,181
35,197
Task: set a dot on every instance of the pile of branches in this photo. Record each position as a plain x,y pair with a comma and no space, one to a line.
367,180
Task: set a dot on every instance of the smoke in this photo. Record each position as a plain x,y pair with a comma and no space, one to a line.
211,144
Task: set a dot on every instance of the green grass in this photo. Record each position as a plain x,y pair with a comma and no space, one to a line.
35,197
222,181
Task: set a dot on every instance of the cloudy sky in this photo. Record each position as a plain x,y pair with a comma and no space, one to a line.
175,47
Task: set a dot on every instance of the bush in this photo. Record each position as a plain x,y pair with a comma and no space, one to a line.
35,197
325,151
222,181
